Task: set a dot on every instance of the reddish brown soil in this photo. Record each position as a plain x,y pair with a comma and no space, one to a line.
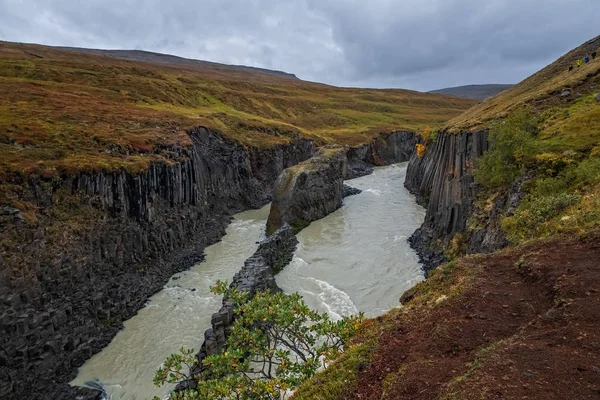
526,329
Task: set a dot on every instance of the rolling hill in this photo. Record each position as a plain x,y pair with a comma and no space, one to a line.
552,87
473,92
168,59
65,110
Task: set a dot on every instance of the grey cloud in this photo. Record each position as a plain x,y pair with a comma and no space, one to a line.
419,44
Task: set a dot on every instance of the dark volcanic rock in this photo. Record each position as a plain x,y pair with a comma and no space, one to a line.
443,182
308,191
351,191
62,299
386,149
64,295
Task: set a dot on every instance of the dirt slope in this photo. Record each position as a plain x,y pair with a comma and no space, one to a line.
523,324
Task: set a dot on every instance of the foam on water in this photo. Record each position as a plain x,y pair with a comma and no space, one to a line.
337,302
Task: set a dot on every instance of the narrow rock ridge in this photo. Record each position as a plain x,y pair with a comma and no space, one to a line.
257,275
308,191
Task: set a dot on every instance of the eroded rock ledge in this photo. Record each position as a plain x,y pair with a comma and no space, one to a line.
309,191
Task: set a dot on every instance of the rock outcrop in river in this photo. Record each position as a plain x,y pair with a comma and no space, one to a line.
309,191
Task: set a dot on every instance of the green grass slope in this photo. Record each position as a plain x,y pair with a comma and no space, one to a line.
63,111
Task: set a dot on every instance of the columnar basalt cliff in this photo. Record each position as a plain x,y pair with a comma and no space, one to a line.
65,294
308,191
104,242
386,149
443,182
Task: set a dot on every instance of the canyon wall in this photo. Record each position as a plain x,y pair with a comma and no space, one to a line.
443,182
386,149
66,290
102,243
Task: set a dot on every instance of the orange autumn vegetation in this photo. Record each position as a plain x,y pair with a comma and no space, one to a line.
420,150
64,112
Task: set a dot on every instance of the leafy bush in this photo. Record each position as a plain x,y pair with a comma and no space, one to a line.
512,149
574,176
426,135
276,343
420,150
535,211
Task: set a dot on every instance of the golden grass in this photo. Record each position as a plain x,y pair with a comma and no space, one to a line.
65,112
538,91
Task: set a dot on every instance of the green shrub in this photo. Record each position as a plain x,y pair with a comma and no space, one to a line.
434,136
512,150
574,176
533,212
275,344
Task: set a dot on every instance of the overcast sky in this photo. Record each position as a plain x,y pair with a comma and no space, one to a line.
415,44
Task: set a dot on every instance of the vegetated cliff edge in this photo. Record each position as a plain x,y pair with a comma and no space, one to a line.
68,287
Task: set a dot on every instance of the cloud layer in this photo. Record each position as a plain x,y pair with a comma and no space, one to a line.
416,44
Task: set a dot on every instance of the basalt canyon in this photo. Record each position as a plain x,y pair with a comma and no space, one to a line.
450,246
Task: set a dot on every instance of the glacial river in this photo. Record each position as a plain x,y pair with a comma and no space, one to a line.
355,259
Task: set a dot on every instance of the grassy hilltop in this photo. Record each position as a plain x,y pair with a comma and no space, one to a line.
67,111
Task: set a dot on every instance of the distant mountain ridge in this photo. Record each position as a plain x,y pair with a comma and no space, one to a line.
474,92
169,59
